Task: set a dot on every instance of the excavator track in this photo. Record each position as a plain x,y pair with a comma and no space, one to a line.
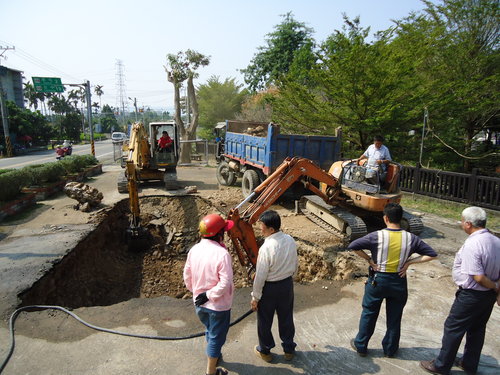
333,219
412,223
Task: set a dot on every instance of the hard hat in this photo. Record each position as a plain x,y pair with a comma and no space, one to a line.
212,224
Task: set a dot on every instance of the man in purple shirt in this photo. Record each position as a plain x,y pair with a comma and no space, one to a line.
476,271
208,273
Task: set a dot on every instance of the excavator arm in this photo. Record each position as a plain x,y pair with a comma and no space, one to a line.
290,171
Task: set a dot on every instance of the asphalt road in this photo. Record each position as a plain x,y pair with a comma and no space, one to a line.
103,152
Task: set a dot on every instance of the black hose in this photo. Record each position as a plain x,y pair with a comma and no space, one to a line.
15,314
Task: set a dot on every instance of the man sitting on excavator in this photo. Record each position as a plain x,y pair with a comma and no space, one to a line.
378,157
165,142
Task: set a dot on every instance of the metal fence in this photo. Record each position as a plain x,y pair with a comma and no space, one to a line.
460,187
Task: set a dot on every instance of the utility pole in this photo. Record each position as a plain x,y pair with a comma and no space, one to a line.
5,122
88,98
426,117
135,106
3,50
89,115
3,107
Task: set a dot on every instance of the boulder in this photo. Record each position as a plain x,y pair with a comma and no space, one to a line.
88,197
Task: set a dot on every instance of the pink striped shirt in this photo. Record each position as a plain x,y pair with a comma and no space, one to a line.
209,269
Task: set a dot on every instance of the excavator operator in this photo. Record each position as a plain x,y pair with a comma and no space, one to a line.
165,142
378,157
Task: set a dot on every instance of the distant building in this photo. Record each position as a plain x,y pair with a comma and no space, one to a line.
12,84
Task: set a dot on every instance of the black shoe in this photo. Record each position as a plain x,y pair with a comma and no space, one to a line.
353,346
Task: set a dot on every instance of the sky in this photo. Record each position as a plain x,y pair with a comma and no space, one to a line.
84,40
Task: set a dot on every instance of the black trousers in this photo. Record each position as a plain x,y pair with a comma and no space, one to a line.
468,316
276,297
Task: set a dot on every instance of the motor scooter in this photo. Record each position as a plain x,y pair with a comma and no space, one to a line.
63,150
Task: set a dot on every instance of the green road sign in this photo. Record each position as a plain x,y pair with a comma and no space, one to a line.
47,84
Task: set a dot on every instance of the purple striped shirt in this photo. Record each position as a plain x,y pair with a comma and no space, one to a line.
479,255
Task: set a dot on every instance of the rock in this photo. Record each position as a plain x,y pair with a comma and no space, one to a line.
191,189
87,197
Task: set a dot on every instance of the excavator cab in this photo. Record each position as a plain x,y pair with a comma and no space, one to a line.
372,181
167,157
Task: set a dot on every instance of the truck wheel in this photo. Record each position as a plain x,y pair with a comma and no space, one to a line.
122,183
249,182
225,175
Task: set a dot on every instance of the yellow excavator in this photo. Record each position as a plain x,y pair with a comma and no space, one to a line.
344,197
146,160
150,162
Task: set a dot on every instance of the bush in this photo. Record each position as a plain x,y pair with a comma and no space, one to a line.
52,172
6,170
76,163
12,182
89,160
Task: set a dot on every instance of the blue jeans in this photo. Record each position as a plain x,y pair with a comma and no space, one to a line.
392,288
217,325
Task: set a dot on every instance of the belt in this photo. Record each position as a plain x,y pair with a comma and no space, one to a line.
279,281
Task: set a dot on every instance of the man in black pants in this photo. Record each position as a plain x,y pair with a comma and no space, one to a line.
476,271
273,287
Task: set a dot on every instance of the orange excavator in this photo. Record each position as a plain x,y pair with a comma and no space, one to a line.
341,198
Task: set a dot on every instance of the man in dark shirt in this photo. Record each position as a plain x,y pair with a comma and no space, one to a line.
390,249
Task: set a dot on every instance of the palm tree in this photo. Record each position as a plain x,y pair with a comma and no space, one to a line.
31,95
98,91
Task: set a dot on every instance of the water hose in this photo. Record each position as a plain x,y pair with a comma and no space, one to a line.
16,313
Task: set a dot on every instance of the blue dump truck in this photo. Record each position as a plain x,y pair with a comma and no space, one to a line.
253,150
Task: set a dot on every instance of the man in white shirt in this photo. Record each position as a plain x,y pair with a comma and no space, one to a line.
273,287
378,157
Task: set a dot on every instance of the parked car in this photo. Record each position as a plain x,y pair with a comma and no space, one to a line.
118,137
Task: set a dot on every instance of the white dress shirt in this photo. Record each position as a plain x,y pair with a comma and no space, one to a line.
277,260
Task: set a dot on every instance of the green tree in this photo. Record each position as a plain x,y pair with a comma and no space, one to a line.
99,92
108,120
454,46
290,42
353,85
182,67
218,101
26,122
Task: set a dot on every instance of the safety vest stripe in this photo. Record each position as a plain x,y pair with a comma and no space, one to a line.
392,250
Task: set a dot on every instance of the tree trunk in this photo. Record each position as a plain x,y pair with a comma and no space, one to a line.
190,133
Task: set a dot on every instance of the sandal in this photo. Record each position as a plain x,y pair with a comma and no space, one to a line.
221,371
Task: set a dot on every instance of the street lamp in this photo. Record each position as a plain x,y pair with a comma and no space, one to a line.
88,95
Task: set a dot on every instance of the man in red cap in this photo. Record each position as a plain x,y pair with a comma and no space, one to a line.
208,274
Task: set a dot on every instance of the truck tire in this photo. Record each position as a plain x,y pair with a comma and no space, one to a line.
122,183
225,175
249,182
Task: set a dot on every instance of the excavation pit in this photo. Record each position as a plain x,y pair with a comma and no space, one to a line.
101,271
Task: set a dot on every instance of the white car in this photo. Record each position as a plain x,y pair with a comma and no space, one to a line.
118,137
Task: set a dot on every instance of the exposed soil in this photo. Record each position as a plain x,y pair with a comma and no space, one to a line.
119,274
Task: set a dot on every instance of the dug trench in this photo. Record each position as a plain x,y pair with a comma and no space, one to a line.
108,285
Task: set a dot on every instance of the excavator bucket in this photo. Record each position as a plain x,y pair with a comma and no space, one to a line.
137,238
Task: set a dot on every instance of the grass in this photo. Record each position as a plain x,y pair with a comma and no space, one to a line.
447,209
